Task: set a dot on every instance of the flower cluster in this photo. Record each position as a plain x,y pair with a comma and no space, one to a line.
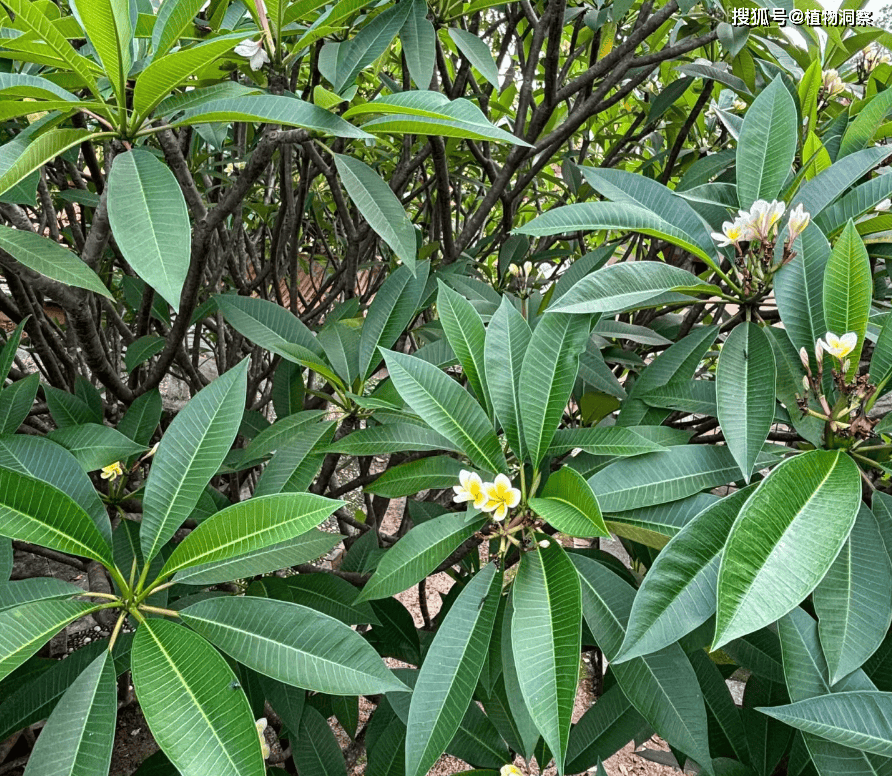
874,55
760,223
496,497
831,84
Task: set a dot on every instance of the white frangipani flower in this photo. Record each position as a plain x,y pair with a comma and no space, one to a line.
883,206
500,497
254,52
261,727
733,232
469,489
762,217
738,104
798,221
510,770
839,347
831,83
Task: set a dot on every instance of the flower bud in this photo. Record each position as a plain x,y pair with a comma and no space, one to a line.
803,357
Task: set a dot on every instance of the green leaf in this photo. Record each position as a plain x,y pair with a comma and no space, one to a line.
505,346
677,594
50,259
249,526
447,408
294,466
391,438
745,393
391,311
620,286
26,158
419,44
805,507
166,73
547,376
546,633
95,446
26,628
25,591
141,350
340,340
606,440
173,19
450,671
655,526
149,220
596,216
853,610
272,109
302,549
868,120
184,687
16,401
5,559
657,478
377,203
466,334
477,53
848,289
68,409
859,719
568,504
419,552
663,686
189,454
767,144
292,644
431,113
439,471
34,511
31,18
79,735
7,355
319,753
369,43
108,28
325,593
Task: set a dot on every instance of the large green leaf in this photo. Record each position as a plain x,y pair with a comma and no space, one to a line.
292,552
26,628
628,284
377,203
786,536
292,644
50,259
189,454
604,440
108,27
507,338
450,671
390,438
657,478
79,735
419,552
44,460
592,216
852,600
477,52
370,42
677,594
547,376
546,633
568,504
447,408
185,691
35,511
767,144
174,17
325,593
249,526
272,109
391,311
318,753
869,118
94,445
745,393
419,44
663,686
149,220
816,194
438,471
25,591
858,719
848,289
466,334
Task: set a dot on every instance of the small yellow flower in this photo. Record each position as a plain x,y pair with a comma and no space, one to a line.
112,471
470,489
500,497
798,221
510,770
838,346
261,727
